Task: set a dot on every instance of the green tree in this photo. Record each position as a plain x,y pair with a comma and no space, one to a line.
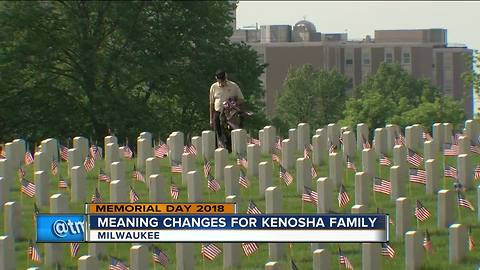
393,96
313,96
82,68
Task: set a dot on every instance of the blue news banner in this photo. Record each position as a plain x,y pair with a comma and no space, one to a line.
213,228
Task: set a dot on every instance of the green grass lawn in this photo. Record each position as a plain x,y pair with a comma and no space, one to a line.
292,203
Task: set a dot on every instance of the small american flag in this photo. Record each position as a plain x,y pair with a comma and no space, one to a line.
350,164
455,137
33,253
307,152
254,141
414,158
102,176
418,176
450,171
174,192
95,152
137,175
210,251
127,152
116,264
213,184
191,149
160,257
314,172
421,212
475,149
399,139
63,153
176,167
387,250
249,248
332,148
450,149
21,173
365,143
133,196
253,209
242,161
62,183
382,186
385,161
343,260
427,243
207,167
54,167
276,158
463,202
471,243
28,158
343,198
89,163
309,195
74,248
426,136
27,188
161,150
285,176
477,172
278,143
243,180
96,197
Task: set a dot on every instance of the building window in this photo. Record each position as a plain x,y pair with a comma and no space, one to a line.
349,61
366,60
406,58
388,58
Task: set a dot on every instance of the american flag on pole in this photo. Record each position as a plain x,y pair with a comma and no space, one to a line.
471,243
414,158
62,183
313,172
450,171
21,173
160,257
365,143
399,139
33,253
474,148
54,167
285,176
382,186
213,184
307,152
278,143
210,251
95,152
133,195
89,163
249,248
127,152
343,260
137,175
116,264
207,167
96,197
426,136
253,209
463,202
243,180
332,148
309,195
176,167
421,212
387,250
74,248
242,161
450,149
161,150
28,158
102,176
343,198
254,141
276,158
27,188
427,242
418,176
191,149
174,192
63,153
477,172
350,164
384,161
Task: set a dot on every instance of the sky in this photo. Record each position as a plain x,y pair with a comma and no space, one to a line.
359,18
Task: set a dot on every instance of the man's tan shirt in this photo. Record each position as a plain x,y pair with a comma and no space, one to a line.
220,94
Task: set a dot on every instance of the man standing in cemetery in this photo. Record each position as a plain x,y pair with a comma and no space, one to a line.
221,91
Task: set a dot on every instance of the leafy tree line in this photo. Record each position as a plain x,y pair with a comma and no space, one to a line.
391,95
73,68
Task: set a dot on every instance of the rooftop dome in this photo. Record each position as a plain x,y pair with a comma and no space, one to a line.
306,25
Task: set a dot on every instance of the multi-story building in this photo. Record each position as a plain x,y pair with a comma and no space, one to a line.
424,53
